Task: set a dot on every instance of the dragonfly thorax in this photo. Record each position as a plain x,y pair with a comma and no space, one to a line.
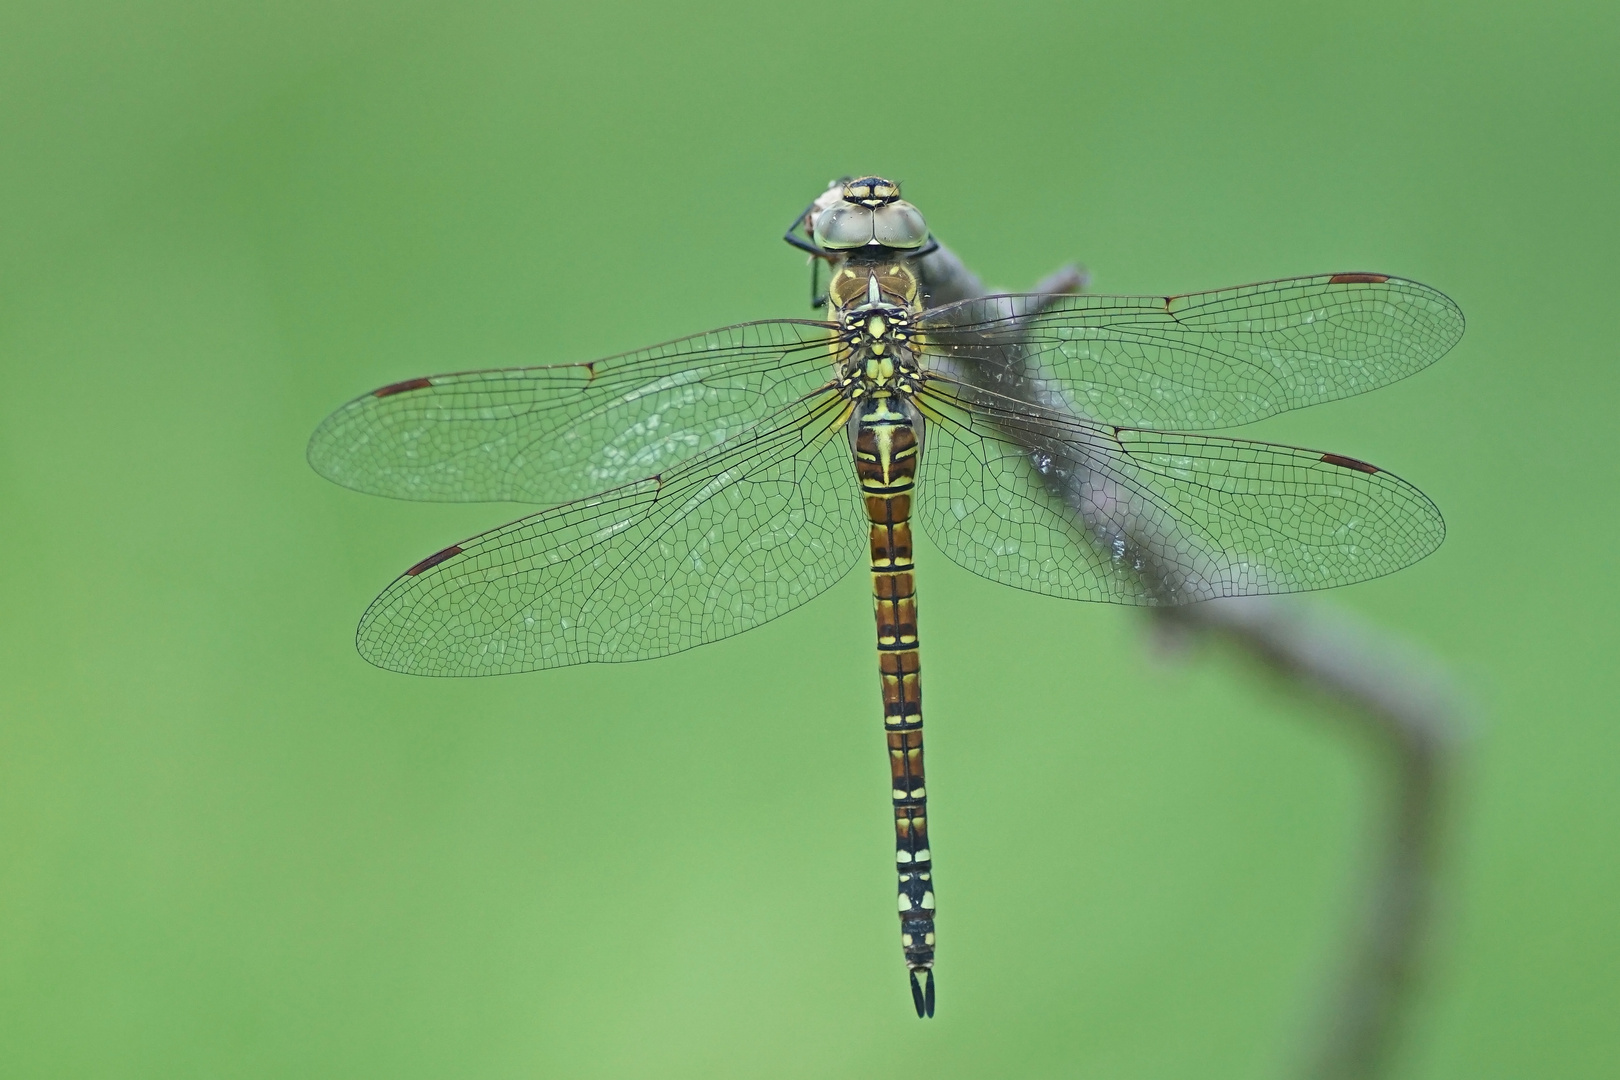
877,330
877,350
876,345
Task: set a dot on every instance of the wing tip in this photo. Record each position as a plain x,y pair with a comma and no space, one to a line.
435,559
402,387
1344,462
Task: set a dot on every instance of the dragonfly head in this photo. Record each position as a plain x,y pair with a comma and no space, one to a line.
866,212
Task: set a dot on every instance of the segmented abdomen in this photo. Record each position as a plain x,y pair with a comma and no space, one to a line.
886,462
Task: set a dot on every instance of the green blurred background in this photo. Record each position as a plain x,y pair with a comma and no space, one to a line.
228,847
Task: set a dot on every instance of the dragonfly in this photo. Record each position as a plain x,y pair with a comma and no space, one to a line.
1052,442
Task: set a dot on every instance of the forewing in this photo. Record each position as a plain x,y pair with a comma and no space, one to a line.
1200,360
551,434
1090,512
711,547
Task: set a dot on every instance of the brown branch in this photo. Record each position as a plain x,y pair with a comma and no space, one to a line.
1409,718
1401,703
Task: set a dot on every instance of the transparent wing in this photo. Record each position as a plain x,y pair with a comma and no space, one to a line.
1202,360
1064,507
550,434
710,547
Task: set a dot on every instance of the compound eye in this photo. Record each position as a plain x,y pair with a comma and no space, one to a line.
844,226
899,225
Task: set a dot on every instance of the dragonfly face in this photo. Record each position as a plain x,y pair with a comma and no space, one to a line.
693,490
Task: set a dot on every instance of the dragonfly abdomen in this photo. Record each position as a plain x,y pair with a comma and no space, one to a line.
886,449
